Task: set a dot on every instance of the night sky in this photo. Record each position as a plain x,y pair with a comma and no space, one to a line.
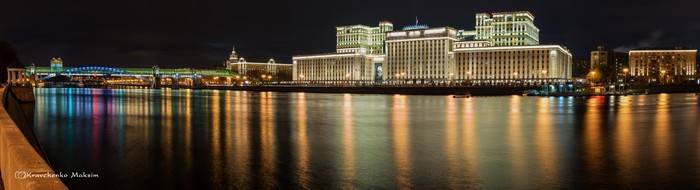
140,33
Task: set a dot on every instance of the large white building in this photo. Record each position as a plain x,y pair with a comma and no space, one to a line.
507,28
506,64
504,48
420,55
337,68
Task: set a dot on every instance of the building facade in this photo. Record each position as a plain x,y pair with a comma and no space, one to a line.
621,65
337,68
422,55
667,65
507,28
505,64
277,71
602,67
580,68
362,39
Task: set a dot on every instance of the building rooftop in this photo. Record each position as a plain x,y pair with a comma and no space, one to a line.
663,48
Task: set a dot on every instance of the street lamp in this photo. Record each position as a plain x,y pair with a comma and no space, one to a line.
592,75
625,78
663,76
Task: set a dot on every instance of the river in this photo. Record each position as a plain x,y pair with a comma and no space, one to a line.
213,139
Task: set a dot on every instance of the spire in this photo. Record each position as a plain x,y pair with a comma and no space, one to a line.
416,20
233,49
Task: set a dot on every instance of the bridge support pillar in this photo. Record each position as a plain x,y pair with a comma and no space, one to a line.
176,82
156,82
197,81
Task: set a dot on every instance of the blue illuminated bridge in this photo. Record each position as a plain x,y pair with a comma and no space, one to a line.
154,77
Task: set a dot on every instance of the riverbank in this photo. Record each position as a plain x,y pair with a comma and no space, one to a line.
475,91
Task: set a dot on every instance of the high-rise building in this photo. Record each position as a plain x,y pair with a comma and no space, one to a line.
361,38
507,28
233,58
602,66
663,65
499,65
420,55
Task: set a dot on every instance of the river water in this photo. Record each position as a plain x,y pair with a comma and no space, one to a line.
212,139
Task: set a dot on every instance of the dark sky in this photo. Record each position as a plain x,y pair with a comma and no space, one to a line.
141,33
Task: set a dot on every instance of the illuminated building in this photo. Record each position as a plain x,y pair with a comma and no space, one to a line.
278,71
359,58
56,64
338,68
528,64
507,28
602,65
466,35
504,47
664,65
362,39
420,54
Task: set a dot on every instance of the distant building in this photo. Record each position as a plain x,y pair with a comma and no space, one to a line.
507,28
621,61
504,64
580,68
56,64
663,65
420,55
602,66
362,39
278,71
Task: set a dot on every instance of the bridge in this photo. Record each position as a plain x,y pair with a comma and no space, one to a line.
154,77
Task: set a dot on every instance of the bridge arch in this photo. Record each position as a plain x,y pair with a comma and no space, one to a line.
101,70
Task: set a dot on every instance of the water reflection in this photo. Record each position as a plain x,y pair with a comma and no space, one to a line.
239,140
400,128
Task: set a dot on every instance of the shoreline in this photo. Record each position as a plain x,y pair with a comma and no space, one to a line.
432,90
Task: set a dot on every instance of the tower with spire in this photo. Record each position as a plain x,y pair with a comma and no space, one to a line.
233,58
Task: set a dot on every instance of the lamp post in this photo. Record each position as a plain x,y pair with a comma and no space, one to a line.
592,75
663,76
